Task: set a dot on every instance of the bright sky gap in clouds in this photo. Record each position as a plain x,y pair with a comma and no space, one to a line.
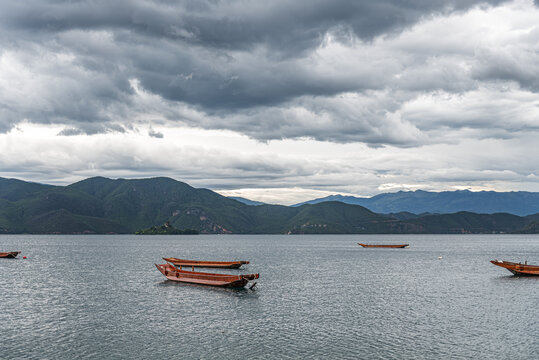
275,101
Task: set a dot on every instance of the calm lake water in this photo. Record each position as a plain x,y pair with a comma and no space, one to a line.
317,297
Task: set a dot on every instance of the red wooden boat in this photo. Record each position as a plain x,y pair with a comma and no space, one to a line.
224,280
517,268
384,246
9,254
207,264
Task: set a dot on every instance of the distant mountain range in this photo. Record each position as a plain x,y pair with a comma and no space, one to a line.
520,203
99,205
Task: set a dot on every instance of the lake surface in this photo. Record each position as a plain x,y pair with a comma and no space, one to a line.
318,297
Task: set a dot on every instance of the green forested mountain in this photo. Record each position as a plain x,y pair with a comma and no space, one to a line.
13,189
101,205
462,222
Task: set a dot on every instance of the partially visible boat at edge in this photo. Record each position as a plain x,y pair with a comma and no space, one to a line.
223,280
9,254
207,264
384,246
517,268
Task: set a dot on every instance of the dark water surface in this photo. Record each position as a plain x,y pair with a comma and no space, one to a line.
318,297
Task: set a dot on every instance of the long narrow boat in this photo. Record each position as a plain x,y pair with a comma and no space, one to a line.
384,246
9,254
224,280
517,268
207,264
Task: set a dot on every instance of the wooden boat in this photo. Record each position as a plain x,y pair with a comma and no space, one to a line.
224,280
517,268
207,264
384,246
9,254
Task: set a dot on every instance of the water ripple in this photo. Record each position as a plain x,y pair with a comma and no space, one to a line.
95,297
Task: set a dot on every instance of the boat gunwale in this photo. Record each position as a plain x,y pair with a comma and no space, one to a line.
513,266
202,263
517,268
9,254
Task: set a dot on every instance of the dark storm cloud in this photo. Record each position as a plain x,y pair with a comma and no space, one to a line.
161,43
231,24
247,66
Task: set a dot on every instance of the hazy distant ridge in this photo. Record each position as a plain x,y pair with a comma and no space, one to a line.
246,201
520,203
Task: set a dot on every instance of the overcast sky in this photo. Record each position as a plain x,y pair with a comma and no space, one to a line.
278,101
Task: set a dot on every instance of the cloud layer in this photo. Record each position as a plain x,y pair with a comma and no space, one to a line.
387,77
271,71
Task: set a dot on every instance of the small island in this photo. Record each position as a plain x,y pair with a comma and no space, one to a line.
166,229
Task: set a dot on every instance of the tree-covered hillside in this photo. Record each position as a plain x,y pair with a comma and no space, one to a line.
101,205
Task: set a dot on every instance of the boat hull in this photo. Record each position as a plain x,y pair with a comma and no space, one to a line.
9,254
221,280
518,268
398,246
206,264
